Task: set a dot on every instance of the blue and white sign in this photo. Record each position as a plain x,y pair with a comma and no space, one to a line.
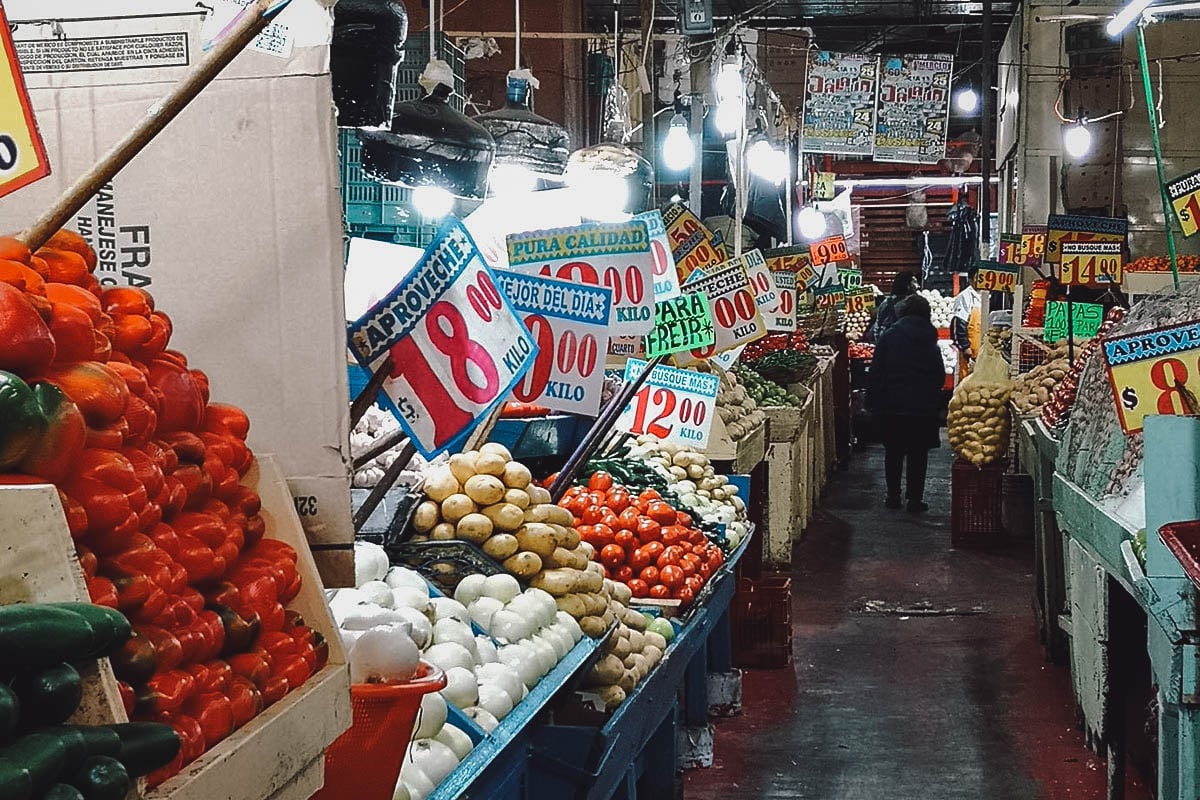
666,278
675,405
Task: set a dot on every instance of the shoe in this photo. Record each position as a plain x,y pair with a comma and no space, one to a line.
893,501
917,507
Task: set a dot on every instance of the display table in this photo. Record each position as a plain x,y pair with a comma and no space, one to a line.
785,470
1037,450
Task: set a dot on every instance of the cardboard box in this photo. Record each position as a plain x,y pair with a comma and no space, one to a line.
231,217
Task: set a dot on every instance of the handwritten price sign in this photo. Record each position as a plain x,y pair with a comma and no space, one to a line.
830,298
997,277
793,259
616,256
666,279
829,250
1185,200
860,301
1155,372
569,324
782,317
1086,263
675,405
1063,227
22,153
760,279
735,312
850,279
1085,320
680,324
456,343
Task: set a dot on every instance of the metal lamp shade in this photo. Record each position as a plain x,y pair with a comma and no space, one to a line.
619,161
367,47
523,138
430,144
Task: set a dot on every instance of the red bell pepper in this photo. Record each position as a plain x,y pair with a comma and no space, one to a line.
102,592
240,632
166,692
188,447
218,675
252,666
137,660
64,266
167,649
107,486
26,345
183,400
245,698
53,456
294,668
74,334
99,391
275,689
214,712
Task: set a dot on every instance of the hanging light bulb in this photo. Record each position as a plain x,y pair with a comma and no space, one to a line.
610,180
432,202
523,138
1077,139
677,151
811,222
729,118
512,179
728,83
967,100
731,96
767,162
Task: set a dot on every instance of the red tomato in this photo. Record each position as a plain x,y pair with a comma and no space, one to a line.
716,558
684,519
705,570
649,575
628,519
671,575
597,498
661,512
688,568
604,536
673,534
670,557
693,582
624,574
618,500
660,592
648,530
612,555
655,549
626,539
610,519
639,559
684,595
697,537
648,495
592,515
638,587
693,559
600,481
587,533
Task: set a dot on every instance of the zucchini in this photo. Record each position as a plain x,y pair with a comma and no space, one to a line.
63,791
98,740
145,746
10,712
15,783
49,696
111,626
42,757
103,778
39,634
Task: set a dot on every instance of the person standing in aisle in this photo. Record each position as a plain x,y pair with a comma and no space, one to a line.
904,393
965,326
905,284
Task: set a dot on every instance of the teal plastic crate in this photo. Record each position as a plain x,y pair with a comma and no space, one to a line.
416,56
365,201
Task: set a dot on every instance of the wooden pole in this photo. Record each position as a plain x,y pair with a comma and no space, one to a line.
249,24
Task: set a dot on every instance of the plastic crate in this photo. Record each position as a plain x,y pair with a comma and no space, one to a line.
760,620
976,507
416,56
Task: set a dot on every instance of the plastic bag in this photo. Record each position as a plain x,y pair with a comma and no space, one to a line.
978,422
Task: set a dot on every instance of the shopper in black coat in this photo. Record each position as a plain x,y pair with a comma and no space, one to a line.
905,285
905,394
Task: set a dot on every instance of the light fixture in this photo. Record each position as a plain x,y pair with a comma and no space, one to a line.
728,83
767,162
432,202
367,48
811,222
731,95
611,180
522,137
728,118
1125,17
677,151
967,100
1077,139
512,179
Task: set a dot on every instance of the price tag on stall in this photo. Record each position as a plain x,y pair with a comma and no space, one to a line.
627,346
997,277
860,301
569,324
850,279
1062,227
793,259
825,276
614,255
735,313
698,253
22,154
1033,246
760,279
1085,320
682,225
726,360
1086,263
1185,200
829,298
456,343
666,279
680,324
1154,372
1010,248
782,318
675,405
828,251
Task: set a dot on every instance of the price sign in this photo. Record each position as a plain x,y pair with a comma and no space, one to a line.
22,153
829,250
823,186
726,360
698,253
680,324
614,255
782,317
682,226
830,298
760,279
735,313
627,346
860,301
1155,372
793,259
457,345
569,324
666,279
1081,229
1010,248
718,244
850,278
825,277
675,405
997,277
1185,199
1087,263
1033,246
1085,320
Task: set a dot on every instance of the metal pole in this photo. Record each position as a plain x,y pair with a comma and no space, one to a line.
988,148
517,34
1158,157
696,133
649,125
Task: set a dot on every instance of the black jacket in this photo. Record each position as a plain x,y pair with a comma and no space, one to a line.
907,374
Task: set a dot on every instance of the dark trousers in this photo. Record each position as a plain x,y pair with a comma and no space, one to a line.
895,456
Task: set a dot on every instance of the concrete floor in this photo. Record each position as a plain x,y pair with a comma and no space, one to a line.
882,704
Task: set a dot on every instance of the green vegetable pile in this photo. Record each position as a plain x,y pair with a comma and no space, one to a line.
1139,546
764,392
784,366
632,474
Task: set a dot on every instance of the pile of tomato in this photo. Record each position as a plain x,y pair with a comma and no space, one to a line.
642,540
1185,263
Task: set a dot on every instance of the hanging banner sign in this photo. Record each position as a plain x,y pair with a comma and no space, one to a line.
860,301
828,251
1086,319
796,260
735,312
675,405
823,189
1062,227
1154,372
913,113
1185,200
666,279
1089,263
782,318
996,277
850,278
680,324
456,343
839,104
569,324
830,298
614,255
22,153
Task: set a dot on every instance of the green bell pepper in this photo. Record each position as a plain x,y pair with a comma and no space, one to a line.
22,421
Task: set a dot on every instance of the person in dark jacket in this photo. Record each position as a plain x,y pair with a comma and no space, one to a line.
904,392
905,285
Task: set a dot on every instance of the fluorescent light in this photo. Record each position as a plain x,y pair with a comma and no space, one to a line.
909,183
1126,16
677,151
811,222
1077,139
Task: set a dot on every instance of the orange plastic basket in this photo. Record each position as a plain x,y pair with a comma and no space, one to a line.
365,761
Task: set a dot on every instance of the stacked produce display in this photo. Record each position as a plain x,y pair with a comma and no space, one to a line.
736,408
978,423
941,308
1033,389
149,472
1184,263
857,324
762,391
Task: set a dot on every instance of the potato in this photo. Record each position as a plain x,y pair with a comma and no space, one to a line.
594,627
594,604
457,506
501,546
537,494
565,558
622,593
612,697
655,640
607,671
427,515
484,489
653,654
516,475
462,465
590,581
637,642
440,483
549,513
569,538
587,549
518,498
538,538
523,564
443,532
504,516
494,449
572,604
474,528
629,681
620,646
634,620
490,464
558,582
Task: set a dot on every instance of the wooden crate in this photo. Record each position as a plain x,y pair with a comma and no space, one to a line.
279,755
784,501
785,422
744,453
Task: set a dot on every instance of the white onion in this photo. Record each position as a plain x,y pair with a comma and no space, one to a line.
469,589
398,577
433,758
370,562
444,607
482,611
558,638
456,739
449,654
495,700
378,592
461,690
545,654
422,628
482,718
504,676
384,654
546,604
503,587
416,782
460,633
369,615
508,626
431,717
485,650
570,624
526,607
523,660
349,638
411,597
343,600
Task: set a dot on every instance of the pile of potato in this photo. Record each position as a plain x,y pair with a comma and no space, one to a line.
629,654
978,422
1033,389
736,408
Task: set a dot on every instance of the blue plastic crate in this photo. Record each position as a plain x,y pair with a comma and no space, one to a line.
416,56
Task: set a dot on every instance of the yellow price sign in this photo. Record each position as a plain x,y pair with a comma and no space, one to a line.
1088,263
1077,228
793,259
22,153
994,277
1033,246
1155,372
1185,200
860,301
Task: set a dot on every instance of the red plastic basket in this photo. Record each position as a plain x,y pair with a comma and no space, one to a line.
365,761
760,620
975,504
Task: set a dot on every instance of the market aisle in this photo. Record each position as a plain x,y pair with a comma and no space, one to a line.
881,704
